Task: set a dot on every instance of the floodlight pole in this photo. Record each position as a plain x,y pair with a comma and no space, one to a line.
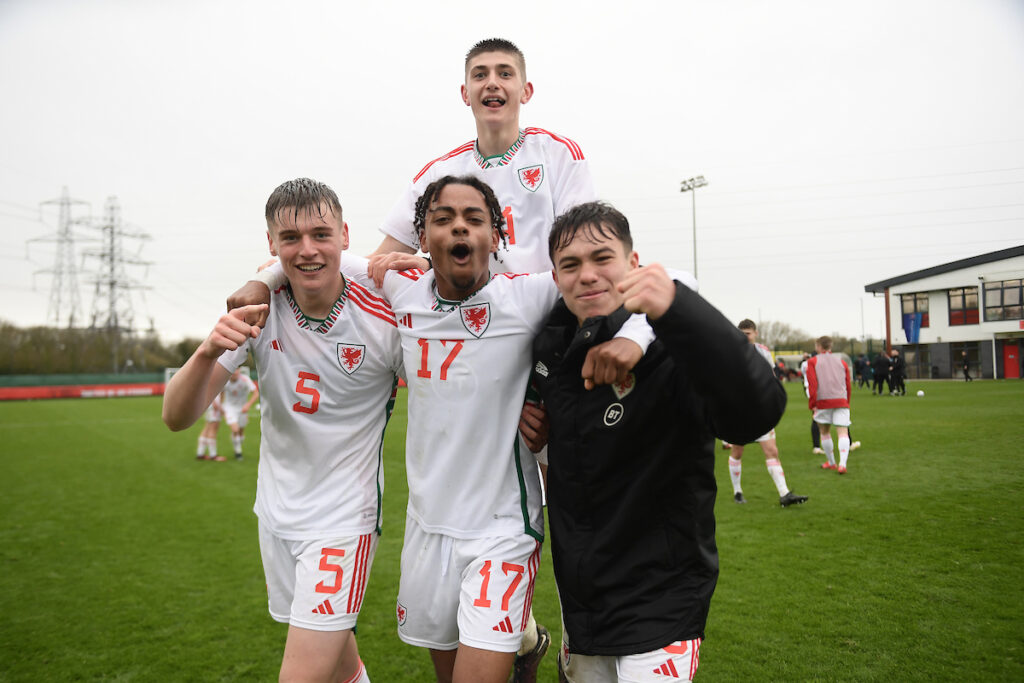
691,185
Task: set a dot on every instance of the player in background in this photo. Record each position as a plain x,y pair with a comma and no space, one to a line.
815,431
828,395
767,441
239,395
206,449
632,476
328,357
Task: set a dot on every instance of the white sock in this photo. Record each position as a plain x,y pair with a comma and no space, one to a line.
211,446
200,446
361,676
735,470
529,636
236,441
775,470
826,445
844,450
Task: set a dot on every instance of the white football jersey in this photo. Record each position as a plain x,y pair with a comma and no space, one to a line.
539,177
467,365
326,392
236,392
765,353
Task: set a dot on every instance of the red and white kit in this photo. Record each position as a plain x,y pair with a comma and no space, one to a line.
675,662
327,388
828,389
474,509
540,176
236,393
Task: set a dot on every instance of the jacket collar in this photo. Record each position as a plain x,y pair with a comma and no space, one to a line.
592,331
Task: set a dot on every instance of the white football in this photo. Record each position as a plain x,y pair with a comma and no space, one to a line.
920,392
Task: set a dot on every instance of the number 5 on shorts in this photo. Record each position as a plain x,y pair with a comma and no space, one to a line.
329,567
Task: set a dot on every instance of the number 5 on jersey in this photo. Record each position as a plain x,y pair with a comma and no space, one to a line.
311,392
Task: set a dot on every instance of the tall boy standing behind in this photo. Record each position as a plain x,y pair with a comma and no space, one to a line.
328,358
535,174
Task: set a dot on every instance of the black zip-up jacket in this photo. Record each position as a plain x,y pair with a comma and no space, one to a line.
631,482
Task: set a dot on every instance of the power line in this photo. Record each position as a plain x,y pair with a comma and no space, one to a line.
64,298
112,304
832,232
870,180
863,194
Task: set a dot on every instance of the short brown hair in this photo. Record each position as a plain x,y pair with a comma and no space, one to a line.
498,45
824,342
747,324
301,194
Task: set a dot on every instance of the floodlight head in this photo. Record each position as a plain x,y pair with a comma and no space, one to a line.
692,183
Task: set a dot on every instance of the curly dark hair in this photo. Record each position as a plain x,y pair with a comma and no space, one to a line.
433,191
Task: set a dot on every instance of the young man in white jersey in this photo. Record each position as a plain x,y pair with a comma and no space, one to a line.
535,174
767,441
239,395
474,518
206,449
828,396
328,357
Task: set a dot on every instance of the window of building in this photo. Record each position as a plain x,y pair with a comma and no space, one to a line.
916,303
917,359
963,306
1004,300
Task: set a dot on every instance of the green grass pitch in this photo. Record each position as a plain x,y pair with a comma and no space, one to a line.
124,559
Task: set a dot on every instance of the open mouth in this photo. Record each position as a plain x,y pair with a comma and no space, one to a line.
493,102
310,267
460,252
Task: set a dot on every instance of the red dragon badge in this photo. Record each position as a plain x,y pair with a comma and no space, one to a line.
531,177
351,356
476,318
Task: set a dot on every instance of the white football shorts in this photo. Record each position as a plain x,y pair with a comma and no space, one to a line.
318,585
839,417
235,416
675,662
472,591
213,413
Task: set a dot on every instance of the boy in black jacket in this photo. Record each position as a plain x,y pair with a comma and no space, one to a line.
631,484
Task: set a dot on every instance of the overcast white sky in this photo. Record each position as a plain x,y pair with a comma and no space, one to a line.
844,143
